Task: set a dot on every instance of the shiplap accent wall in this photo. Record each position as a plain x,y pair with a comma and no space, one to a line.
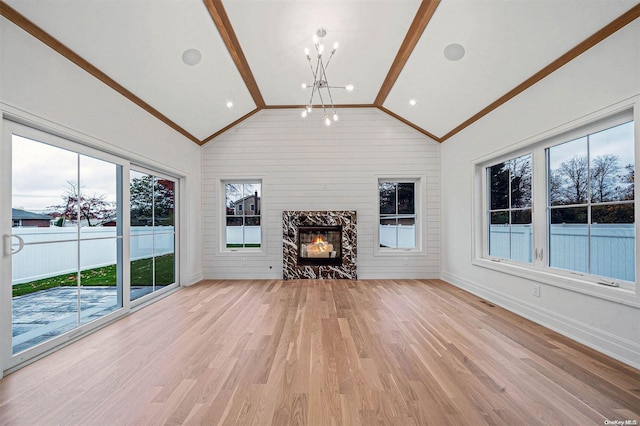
305,165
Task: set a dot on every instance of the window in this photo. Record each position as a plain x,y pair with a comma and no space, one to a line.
397,214
565,207
76,262
67,274
152,244
510,209
590,188
242,228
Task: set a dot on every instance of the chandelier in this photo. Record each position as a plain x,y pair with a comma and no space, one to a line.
320,82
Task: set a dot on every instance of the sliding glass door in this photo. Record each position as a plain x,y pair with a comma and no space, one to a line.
65,239
83,237
153,255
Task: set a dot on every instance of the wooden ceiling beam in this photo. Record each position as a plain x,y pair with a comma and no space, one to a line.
420,21
22,22
221,20
410,124
609,29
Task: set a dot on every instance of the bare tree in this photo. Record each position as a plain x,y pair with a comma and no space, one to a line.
603,178
576,176
76,206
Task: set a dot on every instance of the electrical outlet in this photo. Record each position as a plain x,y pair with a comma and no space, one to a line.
536,290
245,261
405,261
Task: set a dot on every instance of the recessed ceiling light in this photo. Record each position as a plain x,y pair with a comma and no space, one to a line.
191,56
454,52
412,102
229,104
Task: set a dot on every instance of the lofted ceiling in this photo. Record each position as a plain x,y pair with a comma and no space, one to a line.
253,53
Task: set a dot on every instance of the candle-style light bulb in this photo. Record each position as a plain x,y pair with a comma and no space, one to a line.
335,116
304,113
327,121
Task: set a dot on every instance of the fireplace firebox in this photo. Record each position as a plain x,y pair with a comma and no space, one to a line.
319,245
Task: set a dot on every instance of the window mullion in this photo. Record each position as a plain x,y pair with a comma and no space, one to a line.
540,211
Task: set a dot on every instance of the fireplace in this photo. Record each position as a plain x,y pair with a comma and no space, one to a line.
319,244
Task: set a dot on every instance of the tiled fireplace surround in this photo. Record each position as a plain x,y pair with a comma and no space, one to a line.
292,219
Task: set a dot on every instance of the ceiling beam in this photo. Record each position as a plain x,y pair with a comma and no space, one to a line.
609,29
21,21
229,126
221,20
423,16
410,124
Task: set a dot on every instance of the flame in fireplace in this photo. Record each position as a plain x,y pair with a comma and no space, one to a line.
319,245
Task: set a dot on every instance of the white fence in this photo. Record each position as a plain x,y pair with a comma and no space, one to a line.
54,251
243,234
612,247
400,236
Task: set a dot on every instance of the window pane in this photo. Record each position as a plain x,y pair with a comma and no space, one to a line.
164,199
618,213
406,233
569,239
387,197
568,173
521,181
141,201
389,232
252,220
613,241
234,193
612,164
499,186
521,217
499,235
499,218
406,198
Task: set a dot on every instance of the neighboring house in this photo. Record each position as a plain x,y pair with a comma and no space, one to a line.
29,219
247,206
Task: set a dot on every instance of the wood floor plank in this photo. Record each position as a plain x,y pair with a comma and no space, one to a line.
322,352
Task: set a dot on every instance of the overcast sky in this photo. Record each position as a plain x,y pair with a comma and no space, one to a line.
614,141
41,174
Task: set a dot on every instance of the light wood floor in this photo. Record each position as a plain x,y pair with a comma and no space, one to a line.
396,352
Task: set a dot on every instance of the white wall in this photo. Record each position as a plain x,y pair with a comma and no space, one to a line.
305,165
40,86
606,75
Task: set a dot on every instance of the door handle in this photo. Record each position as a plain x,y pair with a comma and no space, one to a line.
8,247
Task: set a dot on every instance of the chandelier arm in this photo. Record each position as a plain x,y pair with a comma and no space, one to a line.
311,66
322,102
328,61
324,72
331,99
313,90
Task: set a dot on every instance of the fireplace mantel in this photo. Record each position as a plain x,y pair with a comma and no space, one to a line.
292,219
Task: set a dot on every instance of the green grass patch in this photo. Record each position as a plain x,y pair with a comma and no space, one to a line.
141,275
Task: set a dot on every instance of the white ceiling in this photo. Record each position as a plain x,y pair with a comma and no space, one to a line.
139,44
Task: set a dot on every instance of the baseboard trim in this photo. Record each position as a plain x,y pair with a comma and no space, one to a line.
623,350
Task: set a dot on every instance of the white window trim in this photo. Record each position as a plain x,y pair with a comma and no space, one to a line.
420,205
222,228
626,293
